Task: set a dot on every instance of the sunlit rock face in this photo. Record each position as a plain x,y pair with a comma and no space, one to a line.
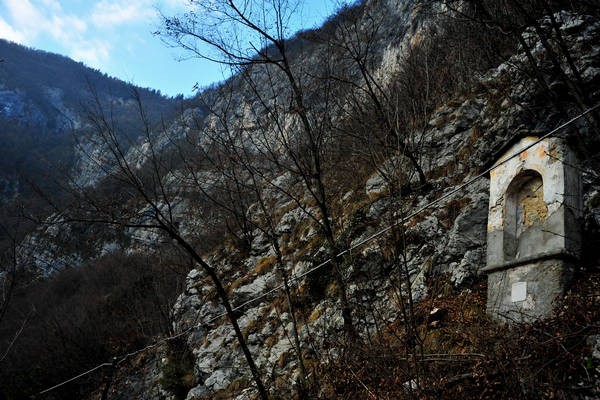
527,207
460,138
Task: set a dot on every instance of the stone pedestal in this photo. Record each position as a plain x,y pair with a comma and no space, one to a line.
527,292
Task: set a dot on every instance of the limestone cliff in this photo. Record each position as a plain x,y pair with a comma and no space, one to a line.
462,137
369,201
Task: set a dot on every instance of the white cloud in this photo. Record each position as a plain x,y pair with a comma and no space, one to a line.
27,20
83,33
178,3
35,21
109,13
45,17
9,33
24,15
53,4
66,28
95,53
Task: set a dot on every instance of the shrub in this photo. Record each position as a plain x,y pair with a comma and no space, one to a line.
178,370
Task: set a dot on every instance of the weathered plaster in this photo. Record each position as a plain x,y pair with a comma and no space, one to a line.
534,209
544,284
543,210
531,208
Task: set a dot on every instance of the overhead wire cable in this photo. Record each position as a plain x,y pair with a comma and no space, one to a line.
75,378
411,215
375,235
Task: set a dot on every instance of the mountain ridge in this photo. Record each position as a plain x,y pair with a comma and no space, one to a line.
43,98
237,198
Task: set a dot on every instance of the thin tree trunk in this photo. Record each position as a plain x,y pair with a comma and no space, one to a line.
292,311
230,313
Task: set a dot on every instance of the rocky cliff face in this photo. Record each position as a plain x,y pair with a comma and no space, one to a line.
403,235
461,139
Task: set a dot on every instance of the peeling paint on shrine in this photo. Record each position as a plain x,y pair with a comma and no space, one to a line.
534,207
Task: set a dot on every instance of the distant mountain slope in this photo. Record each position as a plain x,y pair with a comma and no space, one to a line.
42,97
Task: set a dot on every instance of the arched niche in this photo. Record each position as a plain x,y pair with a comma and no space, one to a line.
525,211
533,227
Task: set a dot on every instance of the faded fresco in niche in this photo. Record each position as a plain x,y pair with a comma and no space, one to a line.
533,228
524,211
531,208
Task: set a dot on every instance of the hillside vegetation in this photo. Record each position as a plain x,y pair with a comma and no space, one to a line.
311,228
43,97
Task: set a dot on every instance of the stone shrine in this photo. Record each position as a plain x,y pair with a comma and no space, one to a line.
535,209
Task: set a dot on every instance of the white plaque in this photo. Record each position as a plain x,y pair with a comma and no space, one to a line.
518,292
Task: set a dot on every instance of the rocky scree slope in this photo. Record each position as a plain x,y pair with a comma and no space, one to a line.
92,163
462,137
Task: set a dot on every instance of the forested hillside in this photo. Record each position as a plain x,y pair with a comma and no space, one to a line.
316,226
43,99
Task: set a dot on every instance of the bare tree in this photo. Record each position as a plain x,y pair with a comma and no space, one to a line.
250,36
535,20
390,108
388,115
16,268
242,185
149,193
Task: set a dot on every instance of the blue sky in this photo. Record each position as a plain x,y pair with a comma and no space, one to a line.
115,36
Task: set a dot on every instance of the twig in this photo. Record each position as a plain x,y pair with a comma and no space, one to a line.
371,394
17,334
